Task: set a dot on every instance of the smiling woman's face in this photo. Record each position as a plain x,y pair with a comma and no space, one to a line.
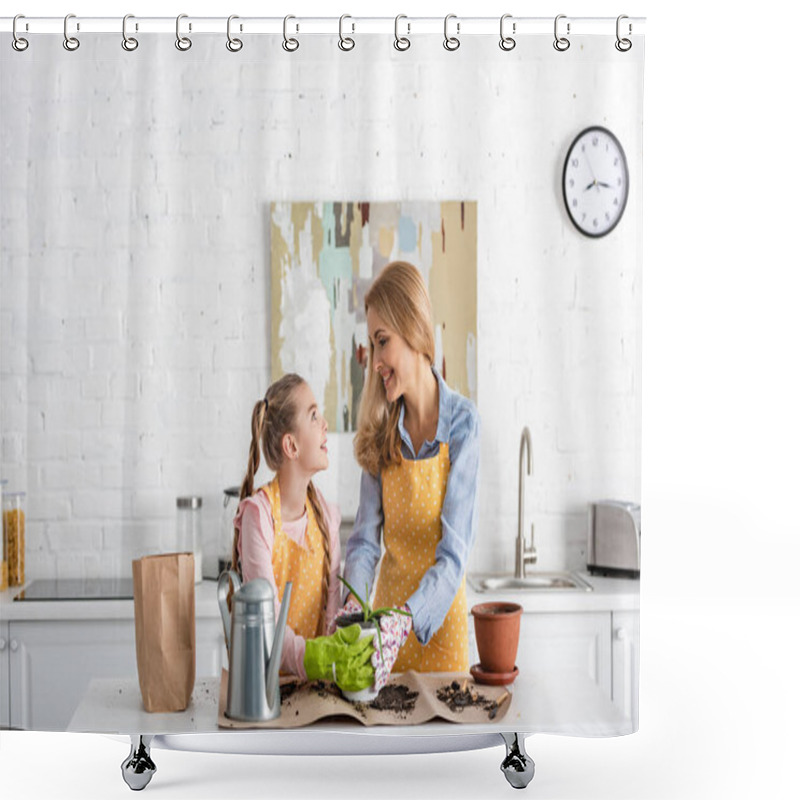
391,356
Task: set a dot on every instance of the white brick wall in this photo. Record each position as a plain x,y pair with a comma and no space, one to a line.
134,293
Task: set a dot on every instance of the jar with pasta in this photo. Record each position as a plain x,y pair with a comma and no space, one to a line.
14,535
3,552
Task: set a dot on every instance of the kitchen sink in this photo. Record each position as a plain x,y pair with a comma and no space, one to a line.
534,582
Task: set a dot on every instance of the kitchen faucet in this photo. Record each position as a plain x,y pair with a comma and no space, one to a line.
526,554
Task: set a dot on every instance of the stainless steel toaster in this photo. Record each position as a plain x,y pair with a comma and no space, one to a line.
615,538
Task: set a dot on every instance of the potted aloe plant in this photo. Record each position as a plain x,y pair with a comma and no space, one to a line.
369,619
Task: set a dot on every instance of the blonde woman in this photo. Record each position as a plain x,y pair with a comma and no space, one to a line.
418,445
286,532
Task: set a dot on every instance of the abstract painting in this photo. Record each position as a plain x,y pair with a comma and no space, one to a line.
324,257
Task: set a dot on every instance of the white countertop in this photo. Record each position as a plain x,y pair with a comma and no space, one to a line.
27,610
565,702
608,594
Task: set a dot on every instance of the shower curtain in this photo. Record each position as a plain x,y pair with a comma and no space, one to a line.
182,224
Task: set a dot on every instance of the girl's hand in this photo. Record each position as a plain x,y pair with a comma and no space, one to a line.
395,629
343,657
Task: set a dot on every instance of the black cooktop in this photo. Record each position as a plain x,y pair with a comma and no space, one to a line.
78,589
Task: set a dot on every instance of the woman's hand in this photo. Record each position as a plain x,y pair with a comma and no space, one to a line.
395,629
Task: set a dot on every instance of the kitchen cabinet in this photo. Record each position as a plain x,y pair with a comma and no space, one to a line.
5,650
52,662
625,663
48,664
555,641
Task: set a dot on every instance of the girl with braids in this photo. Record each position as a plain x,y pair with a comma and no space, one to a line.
285,531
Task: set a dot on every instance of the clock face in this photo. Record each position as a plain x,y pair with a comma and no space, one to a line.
595,181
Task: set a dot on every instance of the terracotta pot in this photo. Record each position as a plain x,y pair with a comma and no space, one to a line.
497,634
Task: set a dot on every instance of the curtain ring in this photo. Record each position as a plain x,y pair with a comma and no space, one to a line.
401,42
233,44
128,42
18,43
182,42
70,42
506,42
345,42
623,45
451,42
561,43
289,45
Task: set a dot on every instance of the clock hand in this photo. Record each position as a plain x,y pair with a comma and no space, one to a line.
593,183
604,185
594,180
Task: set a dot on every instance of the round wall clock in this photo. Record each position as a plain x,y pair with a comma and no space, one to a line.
595,181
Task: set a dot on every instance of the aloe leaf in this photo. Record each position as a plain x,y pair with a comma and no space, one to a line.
364,606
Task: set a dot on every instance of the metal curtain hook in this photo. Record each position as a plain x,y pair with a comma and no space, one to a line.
506,42
18,43
233,44
70,42
623,45
561,43
290,45
345,42
451,42
401,42
182,42
128,42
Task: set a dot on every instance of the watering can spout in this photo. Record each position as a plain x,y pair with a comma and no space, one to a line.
273,658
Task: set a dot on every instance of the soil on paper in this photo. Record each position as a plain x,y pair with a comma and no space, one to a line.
457,697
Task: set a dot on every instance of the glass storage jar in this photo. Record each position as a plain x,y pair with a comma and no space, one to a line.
14,536
189,535
230,503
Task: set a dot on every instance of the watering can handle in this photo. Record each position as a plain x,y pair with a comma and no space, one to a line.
222,598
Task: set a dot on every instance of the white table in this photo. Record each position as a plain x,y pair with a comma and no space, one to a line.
566,703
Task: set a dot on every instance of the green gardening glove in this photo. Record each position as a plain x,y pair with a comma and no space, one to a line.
342,657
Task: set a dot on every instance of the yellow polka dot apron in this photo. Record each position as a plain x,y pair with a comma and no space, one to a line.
413,494
302,565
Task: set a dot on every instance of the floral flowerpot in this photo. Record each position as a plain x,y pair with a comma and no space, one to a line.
367,630
497,635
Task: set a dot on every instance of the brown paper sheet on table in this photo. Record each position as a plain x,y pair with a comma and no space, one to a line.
310,702
163,605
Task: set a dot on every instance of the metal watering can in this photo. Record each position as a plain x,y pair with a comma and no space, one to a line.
254,645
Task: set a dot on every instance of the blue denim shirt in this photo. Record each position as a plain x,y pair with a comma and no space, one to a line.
459,427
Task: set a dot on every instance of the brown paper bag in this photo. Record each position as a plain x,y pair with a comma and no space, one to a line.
163,605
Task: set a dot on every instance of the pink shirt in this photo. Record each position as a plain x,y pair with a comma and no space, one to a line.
256,535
